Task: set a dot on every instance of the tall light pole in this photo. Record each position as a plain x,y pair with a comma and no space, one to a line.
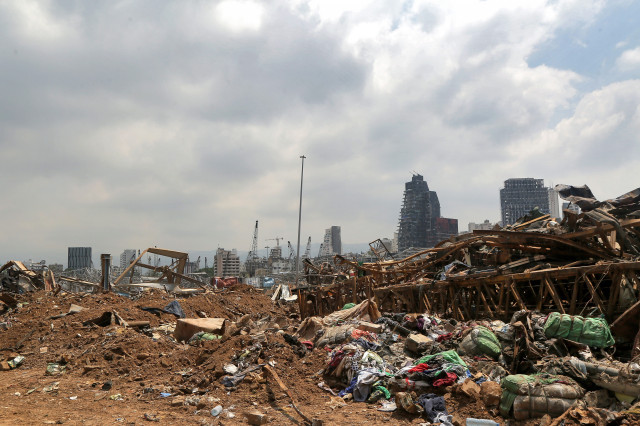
302,157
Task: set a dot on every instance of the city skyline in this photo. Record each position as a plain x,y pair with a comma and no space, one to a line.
355,247
178,125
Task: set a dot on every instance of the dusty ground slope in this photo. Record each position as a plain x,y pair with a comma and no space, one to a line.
116,374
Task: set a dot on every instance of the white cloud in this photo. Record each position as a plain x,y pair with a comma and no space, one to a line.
180,124
240,15
629,60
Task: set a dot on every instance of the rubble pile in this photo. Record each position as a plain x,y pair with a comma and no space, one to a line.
536,323
587,262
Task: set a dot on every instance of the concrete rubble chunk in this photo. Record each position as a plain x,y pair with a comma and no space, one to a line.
491,393
470,388
417,343
187,327
372,328
178,401
255,417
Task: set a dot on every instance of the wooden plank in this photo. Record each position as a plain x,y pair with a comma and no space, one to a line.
286,390
574,297
554,294
464,306
525,224
614,293
501,299
484,300
354,295
427,305
516,296
542,297
594,294
489,294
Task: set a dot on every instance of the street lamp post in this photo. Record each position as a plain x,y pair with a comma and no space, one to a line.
302,157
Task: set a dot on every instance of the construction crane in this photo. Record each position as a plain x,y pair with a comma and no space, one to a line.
198,263
277,239
320,251
307,251
252,257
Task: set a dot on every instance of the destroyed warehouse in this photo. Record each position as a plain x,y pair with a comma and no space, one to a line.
537,322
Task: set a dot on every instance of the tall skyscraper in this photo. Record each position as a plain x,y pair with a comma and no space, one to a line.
521,195
79,257
419,225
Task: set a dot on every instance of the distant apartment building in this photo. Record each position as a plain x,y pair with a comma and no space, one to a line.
445,228
56,268
521,195
79,257
332,242
394,243
420,224
484,226
226,263
126,257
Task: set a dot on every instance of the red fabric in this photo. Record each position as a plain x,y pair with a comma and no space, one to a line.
336,359
364,334
420,367
449,380
307,343
443,337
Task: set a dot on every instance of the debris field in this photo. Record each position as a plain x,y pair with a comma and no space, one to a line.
534,323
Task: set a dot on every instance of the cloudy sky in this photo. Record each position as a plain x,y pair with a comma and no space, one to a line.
179,123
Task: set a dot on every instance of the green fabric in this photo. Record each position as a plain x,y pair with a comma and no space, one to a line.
511,388
590,331
385,391
450,356
486,342
506,402
348,306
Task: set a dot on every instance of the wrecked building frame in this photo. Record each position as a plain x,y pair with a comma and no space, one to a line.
588,271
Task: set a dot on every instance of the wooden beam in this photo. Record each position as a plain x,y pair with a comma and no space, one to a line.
128,268
614,293
594,293
554,294
516,296
484,300
574,297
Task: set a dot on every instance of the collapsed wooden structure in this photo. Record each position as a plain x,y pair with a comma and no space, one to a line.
586,265
173,273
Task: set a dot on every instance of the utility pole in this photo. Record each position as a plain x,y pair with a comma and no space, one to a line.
302,157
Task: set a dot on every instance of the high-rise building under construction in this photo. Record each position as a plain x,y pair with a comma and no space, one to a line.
420,222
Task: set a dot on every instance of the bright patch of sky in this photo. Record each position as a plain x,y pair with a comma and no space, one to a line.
592,50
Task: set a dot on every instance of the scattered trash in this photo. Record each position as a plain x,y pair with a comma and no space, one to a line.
52,387
151,417
215,412
55,369
16,362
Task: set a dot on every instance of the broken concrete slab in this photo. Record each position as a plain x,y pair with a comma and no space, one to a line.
187,327
417,343
370,327
255,417
491,393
